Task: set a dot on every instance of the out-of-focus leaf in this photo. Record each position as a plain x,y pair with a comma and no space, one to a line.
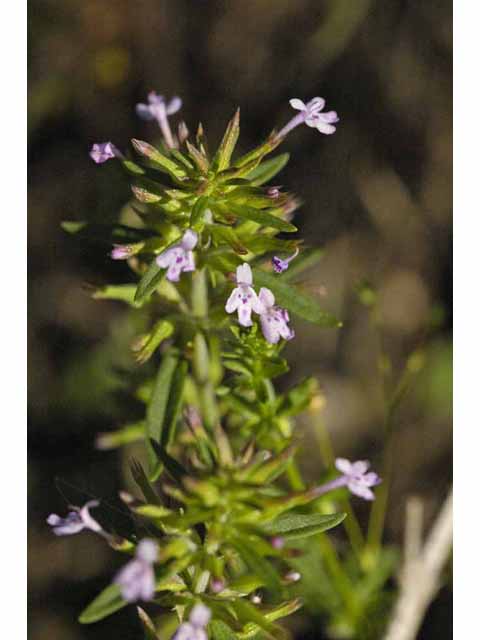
228,236
114,439
219,630
294,301
259,565
248,613
109,601
267,169
174,404
292,526
122,292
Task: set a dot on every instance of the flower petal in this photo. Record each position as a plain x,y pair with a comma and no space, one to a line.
200,615
234,300
298,104
174,105
144,111
343,465
266,297
189,240
244,274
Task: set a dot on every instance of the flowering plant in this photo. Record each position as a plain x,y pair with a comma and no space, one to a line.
222,510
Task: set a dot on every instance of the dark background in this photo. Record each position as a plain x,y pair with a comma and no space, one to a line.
377,196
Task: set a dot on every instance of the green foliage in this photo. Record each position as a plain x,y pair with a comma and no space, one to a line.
218,436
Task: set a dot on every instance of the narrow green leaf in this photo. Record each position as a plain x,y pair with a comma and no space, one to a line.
109,601
158,160
133,168
222,158
293,300
267,169
248,613
149,282
175,469
174,405
157,408
292,526
261,217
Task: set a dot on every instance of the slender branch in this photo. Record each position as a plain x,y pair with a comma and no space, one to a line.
420,577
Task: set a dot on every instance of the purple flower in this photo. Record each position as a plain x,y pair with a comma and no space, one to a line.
273,192
243,298
194,629
76,520
355,476
159,109
274,320
179,257
103,151
310,114
125,251
280,265
137,578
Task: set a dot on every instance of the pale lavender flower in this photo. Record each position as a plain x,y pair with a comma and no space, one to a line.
280,265
137,578
311,115
217,585
194,629
273,319
103,151
277,542
76,520
159,109
355,476
179,257
243,298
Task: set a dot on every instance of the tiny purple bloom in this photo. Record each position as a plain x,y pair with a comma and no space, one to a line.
274,320
194,629
159,109
277,542
103,151
75,521
179,257
310,114
243,298
137,578
122,251
355,477
273,192
280,265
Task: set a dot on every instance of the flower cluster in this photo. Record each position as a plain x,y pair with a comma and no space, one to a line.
243,299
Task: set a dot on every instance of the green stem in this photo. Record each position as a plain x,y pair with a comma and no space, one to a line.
201,357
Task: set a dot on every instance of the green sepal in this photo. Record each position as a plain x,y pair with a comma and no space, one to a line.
198,209
158,160
219,630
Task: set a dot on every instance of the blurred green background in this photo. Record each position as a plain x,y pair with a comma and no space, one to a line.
377,196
